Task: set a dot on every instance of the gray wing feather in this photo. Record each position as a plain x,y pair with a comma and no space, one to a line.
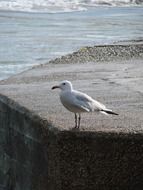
87,102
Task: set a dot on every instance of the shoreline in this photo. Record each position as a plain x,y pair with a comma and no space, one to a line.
102,53
54,37
116,52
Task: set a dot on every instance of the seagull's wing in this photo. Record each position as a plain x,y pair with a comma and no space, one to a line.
87,102
72,103
80,101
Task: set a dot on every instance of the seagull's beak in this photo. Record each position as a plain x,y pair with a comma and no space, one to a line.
55,87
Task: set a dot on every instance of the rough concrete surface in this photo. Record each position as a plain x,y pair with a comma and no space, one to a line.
117,85
39,148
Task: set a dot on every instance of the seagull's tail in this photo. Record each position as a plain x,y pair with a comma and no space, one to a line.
107,112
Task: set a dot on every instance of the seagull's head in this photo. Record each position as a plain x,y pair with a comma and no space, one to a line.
64,86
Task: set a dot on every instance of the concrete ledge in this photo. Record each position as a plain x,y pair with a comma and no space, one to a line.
40,151
35,155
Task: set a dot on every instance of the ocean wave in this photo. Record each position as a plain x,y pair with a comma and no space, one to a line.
53,6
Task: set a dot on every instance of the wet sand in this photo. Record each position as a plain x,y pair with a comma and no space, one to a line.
110,74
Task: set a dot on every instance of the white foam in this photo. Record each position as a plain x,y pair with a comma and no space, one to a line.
50,6
53,6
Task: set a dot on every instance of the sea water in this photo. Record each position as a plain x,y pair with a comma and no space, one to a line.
36,31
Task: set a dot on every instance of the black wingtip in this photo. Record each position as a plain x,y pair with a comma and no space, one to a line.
110,112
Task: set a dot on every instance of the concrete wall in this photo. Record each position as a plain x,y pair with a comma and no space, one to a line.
26,149
91,161
36,156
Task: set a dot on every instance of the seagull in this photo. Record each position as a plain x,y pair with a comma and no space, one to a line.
78,102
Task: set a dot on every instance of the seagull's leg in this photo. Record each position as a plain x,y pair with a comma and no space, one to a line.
79,118
75,120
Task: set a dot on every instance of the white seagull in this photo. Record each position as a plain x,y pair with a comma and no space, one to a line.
78,102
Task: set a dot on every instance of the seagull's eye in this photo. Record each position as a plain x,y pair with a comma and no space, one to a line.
64,83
